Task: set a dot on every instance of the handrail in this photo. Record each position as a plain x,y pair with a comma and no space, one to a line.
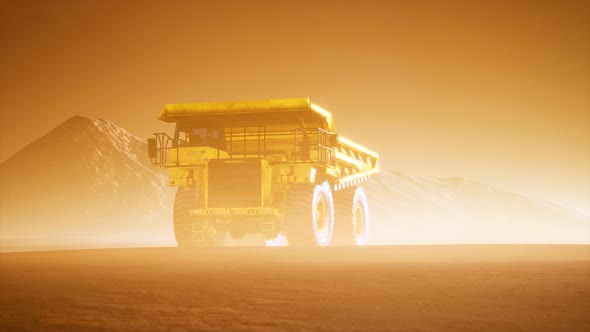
163,144
255,141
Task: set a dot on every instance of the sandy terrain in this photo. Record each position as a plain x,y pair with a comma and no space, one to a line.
403,288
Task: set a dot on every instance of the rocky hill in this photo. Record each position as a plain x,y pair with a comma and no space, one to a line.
87,178
416,210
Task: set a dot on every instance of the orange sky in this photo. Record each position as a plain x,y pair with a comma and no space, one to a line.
497,91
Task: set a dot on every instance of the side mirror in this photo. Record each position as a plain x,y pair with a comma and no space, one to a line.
333,140
152,148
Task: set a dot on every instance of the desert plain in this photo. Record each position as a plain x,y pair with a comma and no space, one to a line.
374,288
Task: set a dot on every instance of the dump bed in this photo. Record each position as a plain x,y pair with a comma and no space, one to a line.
280,110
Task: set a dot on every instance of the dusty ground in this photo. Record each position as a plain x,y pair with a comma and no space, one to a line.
429,288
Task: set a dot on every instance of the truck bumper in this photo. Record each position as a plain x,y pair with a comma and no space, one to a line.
255,219
235,212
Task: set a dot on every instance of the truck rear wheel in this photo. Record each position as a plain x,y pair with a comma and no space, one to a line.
309,214
352,217
190,231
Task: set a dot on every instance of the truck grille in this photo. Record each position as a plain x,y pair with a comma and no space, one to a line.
234,184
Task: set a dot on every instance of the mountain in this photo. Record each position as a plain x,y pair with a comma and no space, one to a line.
87,178
414,210
89,182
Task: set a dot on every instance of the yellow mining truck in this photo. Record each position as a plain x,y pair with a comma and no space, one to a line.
275,167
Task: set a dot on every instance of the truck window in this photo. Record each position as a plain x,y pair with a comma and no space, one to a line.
197,137
200,136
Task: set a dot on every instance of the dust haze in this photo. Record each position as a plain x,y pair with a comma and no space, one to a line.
479,216
105,192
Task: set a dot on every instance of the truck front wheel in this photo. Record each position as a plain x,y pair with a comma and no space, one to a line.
190,231
309,214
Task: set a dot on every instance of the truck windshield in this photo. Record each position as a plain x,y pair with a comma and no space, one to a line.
187,135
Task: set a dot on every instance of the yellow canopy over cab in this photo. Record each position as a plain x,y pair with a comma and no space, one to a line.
174,112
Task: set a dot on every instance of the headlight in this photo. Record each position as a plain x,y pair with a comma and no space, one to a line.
183,173
285,170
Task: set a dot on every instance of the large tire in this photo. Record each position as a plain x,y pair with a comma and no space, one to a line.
190,231
352,217
309,214
343,234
